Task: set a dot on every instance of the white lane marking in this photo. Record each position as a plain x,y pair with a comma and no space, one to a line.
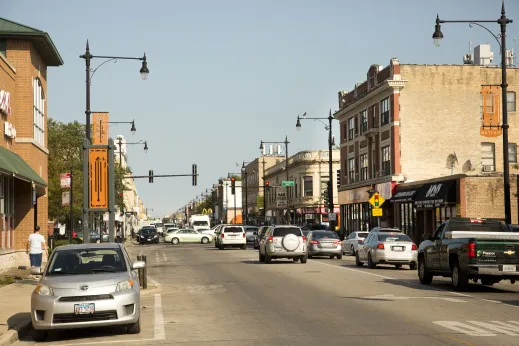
157,258
416,284
105,342
153,282
463,328
165,257
392,297
159,331
499,327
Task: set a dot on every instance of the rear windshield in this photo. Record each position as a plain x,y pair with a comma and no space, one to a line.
393,237
321,235
480,226
148,231
362,234
392,230
251,229
200,223
283,231
233,230
317,227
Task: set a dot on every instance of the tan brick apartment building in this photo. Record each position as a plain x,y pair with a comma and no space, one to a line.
25,54
412,132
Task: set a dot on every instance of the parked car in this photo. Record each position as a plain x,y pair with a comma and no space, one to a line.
324,243
387,248
352,242
187,236
148,236
251,232
86,285
232,236
284,241
385,229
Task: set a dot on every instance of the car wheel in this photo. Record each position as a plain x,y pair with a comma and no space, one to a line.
205,240
215,245
352,251
339,256
460,279
40,335
220,247
244,247
295,259
423,274
487,282
304,259
309,256
134,328
371,264
268,260
398,266
175,241
358,263
261,257
332,257
412,266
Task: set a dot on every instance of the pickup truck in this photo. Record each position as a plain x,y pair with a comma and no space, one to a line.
470,249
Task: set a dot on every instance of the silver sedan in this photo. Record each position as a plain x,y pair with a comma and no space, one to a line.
86,285
387,248
324,243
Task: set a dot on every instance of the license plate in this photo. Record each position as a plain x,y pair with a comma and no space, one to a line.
509,268
84,309
327,245
398,248
149,239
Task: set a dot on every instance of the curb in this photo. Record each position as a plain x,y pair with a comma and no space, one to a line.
13,335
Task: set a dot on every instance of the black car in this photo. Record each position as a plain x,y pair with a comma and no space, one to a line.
148,236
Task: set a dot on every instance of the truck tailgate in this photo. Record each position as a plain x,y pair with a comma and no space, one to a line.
497,251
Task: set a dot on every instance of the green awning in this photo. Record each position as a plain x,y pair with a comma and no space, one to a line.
11,163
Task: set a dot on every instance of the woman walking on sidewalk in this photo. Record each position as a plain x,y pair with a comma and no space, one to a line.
35,247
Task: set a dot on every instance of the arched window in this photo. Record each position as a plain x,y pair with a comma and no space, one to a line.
39,112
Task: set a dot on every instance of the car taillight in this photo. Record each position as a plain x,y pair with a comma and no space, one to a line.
472,250
304,238
222,235
315,242
360,241
337,242
271,239
243,235
380,246
414,247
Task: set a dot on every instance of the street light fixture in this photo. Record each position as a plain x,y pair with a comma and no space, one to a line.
503,21
132,129
144,69
330,158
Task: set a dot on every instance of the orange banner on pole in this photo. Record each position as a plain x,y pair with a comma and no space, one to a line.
100,128
490,112
98,174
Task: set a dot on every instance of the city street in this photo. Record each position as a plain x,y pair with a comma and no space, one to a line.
212,297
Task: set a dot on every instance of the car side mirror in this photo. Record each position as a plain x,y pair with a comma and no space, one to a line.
36,271
138,265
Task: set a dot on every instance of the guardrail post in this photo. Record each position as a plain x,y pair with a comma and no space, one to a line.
145,274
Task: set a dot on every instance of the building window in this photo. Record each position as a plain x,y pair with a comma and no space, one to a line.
384,111
39,112
488,155
324,185
374,116
351,128
386,161
510,101
308,186
363,162
351,170
512,153
3,47
373,165
363,121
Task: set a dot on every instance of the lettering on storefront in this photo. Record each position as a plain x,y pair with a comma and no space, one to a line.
433,190
404,194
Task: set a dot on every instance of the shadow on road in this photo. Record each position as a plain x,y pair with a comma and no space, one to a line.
273,262
445,286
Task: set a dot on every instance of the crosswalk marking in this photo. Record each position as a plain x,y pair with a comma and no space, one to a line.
480,328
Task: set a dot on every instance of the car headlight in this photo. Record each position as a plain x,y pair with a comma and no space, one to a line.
142,236
155,236
44,290
124,285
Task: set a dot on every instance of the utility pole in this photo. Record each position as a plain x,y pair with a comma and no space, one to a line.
71,205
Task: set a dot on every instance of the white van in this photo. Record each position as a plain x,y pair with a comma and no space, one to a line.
197,222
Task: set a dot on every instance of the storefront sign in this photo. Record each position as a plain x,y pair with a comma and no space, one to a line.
385,189
490,108
9,130
435,194
359,195
5,102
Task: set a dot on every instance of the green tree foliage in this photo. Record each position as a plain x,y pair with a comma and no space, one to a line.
205,204
121,185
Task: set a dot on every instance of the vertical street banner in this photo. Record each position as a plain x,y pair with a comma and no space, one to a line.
64,179
100,128
98,176
490,112
65,198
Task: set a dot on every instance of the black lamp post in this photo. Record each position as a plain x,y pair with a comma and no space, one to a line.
330,158
286,142
503,21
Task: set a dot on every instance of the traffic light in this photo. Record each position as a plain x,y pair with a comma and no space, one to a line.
150,176
267,185
338,178
195,174
377,201
233,185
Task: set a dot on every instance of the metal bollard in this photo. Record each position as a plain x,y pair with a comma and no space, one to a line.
145,274
139,258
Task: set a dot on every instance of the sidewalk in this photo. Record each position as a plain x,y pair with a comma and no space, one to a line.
15,318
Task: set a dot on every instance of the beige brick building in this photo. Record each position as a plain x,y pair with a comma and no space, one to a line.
25,54
410,127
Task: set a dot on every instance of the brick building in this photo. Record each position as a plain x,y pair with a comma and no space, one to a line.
25,54
414,133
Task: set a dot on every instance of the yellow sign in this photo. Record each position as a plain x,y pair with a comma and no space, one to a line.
376,212
376,200
207,211
490,112
100,128
204,211
98,174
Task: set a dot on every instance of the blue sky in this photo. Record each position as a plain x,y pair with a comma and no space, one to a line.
226,74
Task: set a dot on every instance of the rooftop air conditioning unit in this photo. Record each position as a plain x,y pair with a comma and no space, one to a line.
488,168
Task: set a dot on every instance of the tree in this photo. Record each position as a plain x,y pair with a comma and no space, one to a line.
120,185
65,153
207,203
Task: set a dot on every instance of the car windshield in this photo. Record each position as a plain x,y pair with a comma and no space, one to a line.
283,231
148,231
321,235
233,230
362,234
86,261
200,223
393,237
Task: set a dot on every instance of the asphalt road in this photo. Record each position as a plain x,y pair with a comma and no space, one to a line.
213,297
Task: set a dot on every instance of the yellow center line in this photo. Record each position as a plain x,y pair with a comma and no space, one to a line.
458,340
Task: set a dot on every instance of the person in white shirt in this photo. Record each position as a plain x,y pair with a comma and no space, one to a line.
36,246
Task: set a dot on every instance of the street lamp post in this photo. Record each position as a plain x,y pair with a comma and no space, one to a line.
120,143
144,71
286,142
132,129
330,159
503,21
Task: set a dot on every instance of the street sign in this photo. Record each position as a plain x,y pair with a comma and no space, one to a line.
376,200
100,128
332,217
65,198
376,212
281,197
98,174
287,183
64,179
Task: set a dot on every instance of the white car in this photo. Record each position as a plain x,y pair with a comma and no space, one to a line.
187,236
387,248
232,236
283,241
351,243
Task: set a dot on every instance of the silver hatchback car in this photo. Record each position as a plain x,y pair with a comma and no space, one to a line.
324,243
87,285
